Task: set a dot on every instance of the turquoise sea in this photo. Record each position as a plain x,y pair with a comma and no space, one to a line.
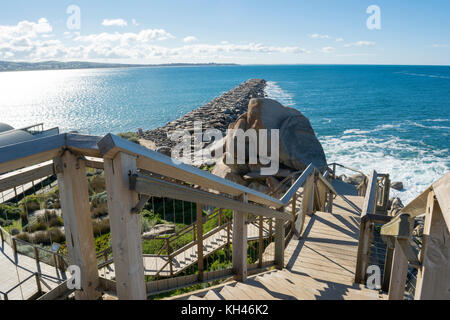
394,119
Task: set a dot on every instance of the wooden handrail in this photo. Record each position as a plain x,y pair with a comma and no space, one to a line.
348,168
156,187
371,195
36,151
365,230
156,162
297,184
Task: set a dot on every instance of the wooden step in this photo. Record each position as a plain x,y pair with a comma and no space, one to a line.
211,295
254,291
227,293
292,292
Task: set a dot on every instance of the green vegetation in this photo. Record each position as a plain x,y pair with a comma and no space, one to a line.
9,212
44,227
130,136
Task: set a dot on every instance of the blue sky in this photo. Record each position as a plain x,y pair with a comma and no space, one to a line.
245,31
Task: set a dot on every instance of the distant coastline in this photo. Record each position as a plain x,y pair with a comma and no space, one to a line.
6,66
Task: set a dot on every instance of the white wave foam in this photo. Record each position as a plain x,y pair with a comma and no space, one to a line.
274,91
420,125
437,120
399,126
425,75
417,167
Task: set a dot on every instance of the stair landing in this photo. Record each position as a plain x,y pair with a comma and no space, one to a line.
319,265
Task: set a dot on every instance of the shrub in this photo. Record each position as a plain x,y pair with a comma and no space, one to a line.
46,221
5,223
43,237
146,225
9,212
100,226
99,205
96,184
130,136
103,242
30,203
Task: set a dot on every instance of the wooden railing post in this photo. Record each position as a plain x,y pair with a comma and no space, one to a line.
14,245
330,202
1,235
279,242
294,208
169,257
228,238
334,171
38,283
61,263
387,269
36,257
270,229
366,230
200,242
74,197
260,242
399,272
125,227
433,278
240,243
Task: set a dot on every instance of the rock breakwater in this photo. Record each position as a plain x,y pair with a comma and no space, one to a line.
219,113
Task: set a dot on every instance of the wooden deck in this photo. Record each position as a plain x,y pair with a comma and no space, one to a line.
14,271
319,265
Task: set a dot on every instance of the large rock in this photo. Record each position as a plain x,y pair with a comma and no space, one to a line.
298,143
394,206
159,230
397,185
355,179
224,171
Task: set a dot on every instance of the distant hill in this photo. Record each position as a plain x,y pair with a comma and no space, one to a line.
56,65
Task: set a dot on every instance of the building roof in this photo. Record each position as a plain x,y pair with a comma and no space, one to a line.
9,135
5,127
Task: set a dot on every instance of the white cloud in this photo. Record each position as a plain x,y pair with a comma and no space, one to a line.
441,46
25,41
128,38
25,29
328,49
319,36
189,39
360,44
114,23
19,41
324,36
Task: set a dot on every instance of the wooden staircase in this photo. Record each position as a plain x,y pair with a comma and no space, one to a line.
286,285
320,265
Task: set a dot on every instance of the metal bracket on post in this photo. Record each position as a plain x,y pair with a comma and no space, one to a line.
143,199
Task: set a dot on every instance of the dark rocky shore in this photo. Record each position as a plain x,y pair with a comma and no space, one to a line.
219,113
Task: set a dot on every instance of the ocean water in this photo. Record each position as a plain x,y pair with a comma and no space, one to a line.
394,119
